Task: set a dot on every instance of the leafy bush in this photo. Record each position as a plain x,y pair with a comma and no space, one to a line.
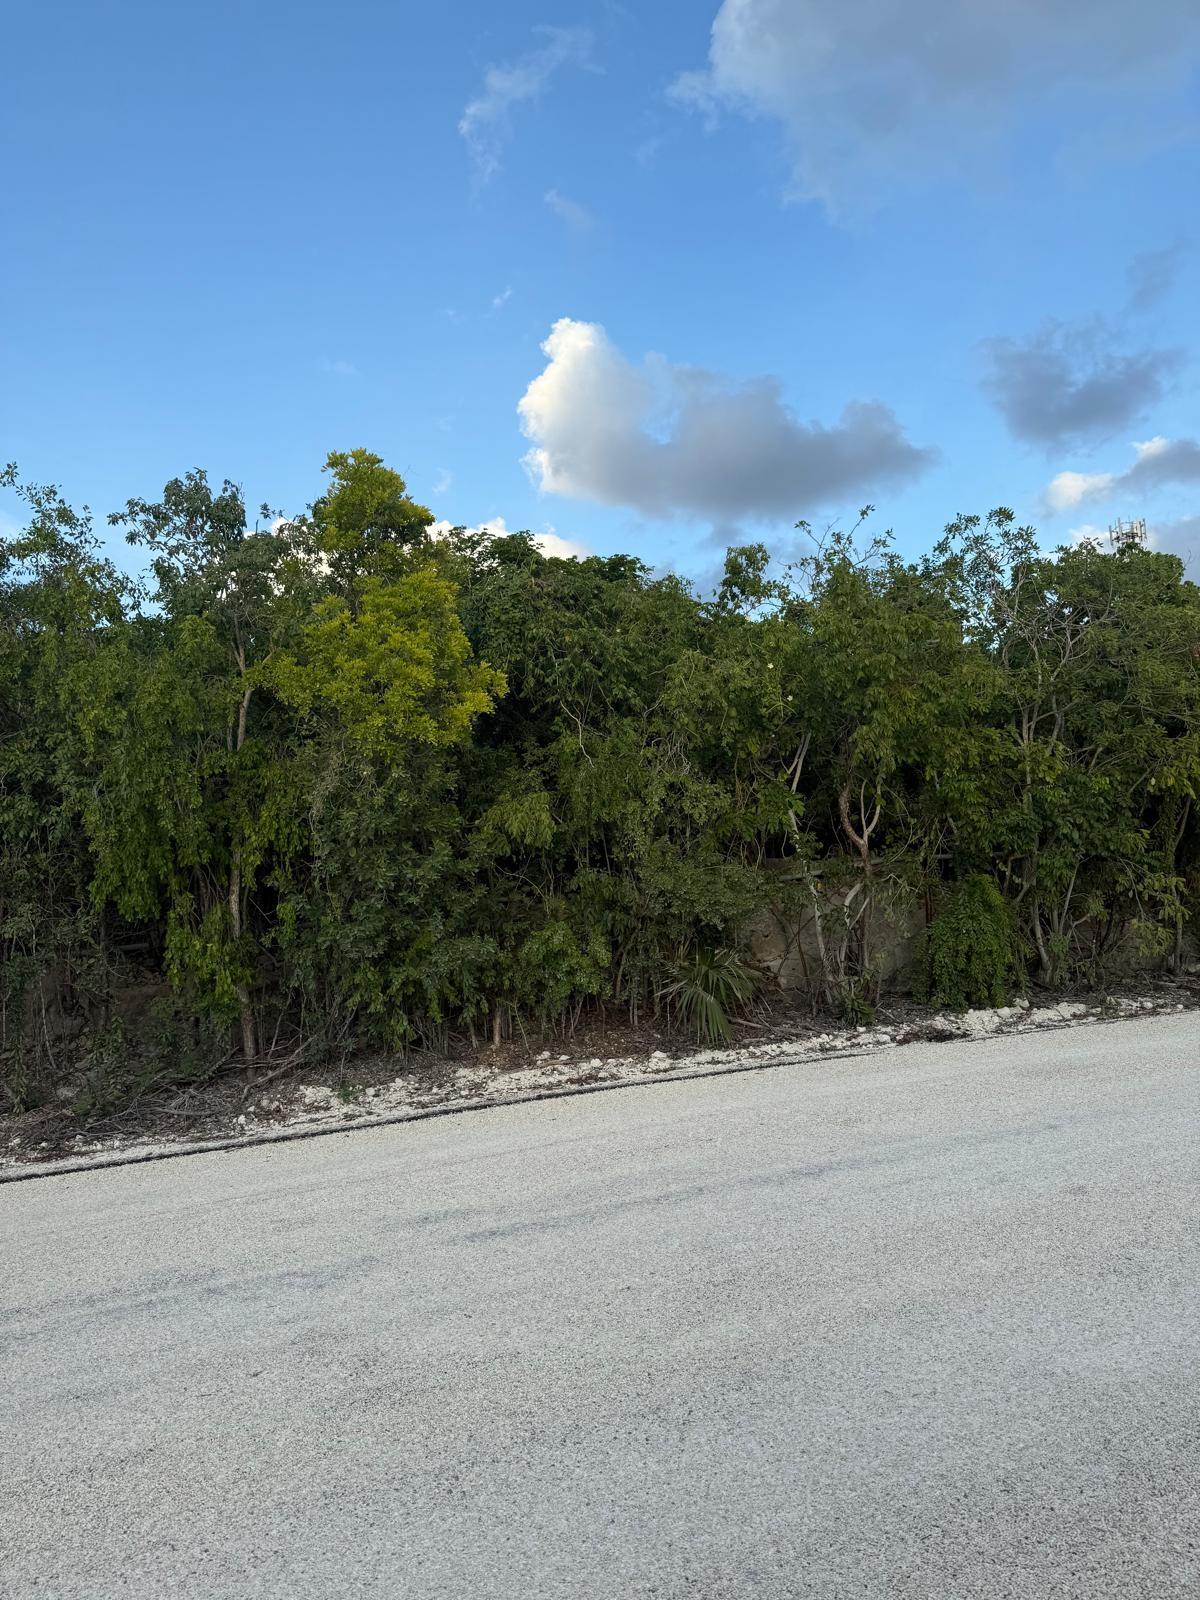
971,948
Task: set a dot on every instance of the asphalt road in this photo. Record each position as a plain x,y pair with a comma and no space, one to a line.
924,1324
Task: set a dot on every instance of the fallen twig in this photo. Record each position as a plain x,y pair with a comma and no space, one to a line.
277,1072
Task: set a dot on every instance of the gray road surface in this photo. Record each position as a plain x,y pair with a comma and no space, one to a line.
925,1324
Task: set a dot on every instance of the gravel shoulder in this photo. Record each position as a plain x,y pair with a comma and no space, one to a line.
295,1109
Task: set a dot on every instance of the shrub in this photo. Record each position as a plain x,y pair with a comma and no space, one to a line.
706,988
970,956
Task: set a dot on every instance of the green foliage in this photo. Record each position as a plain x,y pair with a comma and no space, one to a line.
852,1001
971,956
707,989
553,970
343,783
203,961
365,523
393,669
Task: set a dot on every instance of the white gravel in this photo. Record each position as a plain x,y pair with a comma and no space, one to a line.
317,1106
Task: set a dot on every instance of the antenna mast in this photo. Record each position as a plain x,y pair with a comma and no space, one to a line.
1126,533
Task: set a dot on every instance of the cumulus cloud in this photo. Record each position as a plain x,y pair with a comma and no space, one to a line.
1069,489
1159,463
548,542
867,91
1069,382
486,122
666,439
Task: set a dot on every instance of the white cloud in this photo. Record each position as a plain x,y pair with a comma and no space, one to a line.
1158,463
667,439
486,121
868,92
442,482
548,542
1068,489
501,299
1149,448
551,543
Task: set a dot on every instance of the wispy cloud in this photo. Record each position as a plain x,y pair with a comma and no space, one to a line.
576,218
486,122
442,482
339,368
1153,274
502,299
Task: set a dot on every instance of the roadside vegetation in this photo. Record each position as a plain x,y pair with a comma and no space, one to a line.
326,783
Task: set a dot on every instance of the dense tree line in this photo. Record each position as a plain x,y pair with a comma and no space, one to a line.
337,782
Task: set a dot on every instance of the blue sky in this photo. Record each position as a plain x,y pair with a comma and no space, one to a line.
788,257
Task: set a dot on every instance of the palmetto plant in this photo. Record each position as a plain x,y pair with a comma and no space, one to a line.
705,988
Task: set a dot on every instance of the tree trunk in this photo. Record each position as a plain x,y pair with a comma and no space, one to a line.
1045,972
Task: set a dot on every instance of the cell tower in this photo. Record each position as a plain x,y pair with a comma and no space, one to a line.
1124,533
